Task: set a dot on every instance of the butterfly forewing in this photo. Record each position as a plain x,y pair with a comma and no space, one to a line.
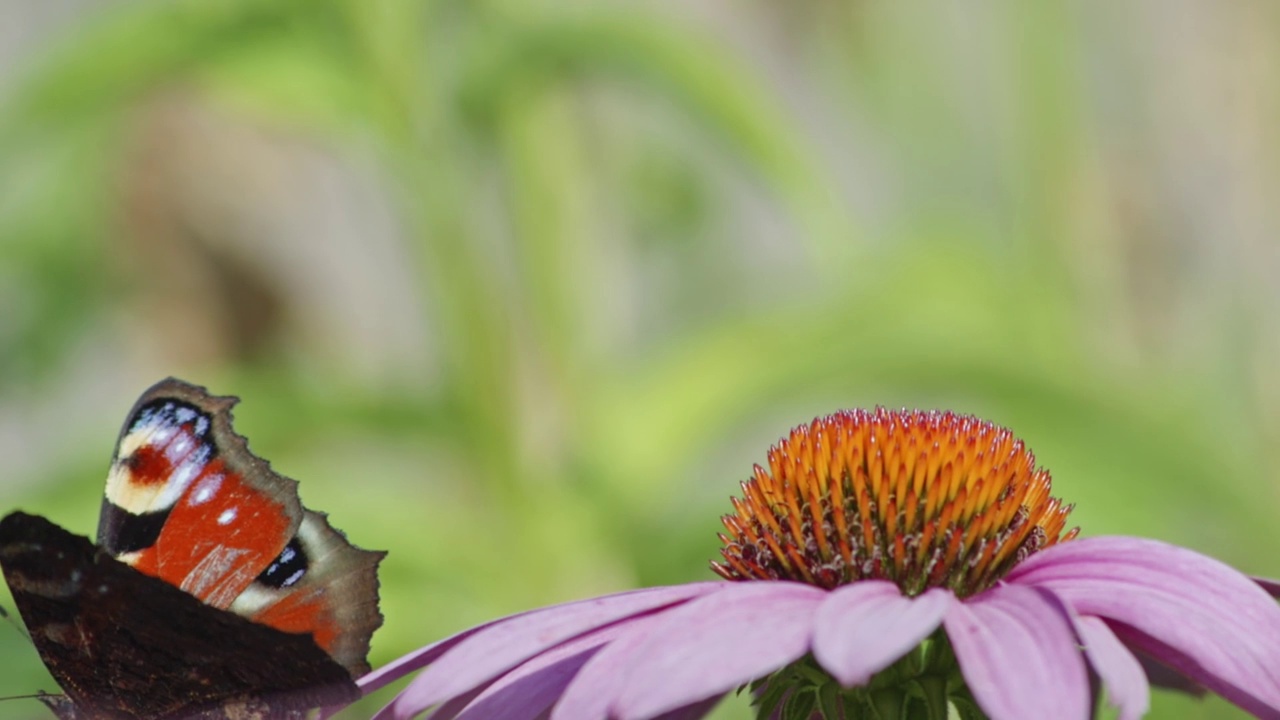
293,600
188,503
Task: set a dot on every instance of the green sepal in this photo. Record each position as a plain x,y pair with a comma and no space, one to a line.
768,697
800,705
967,709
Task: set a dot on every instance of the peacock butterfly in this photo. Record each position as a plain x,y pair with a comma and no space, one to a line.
212,592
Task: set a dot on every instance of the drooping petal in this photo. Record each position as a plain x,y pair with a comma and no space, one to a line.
404,665
862,628
532,687
1191,612
1018,655
419,658
708,646
691,712
502,645
601,680
1271,586
1121,673
447,710
1166,678
1189,666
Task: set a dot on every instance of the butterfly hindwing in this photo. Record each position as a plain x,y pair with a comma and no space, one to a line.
125,645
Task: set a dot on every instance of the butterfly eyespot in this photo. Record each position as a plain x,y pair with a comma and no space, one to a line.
287,569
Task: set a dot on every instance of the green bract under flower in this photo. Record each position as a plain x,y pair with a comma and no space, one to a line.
925,684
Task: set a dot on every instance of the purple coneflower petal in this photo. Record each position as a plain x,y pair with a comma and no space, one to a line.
448,710
602,679
1190,666
691,712
534,686
604,676
1018,655
504,644
1121,673
1271,586
404,665
862,628
1164,677
1189,611
710,645
419,658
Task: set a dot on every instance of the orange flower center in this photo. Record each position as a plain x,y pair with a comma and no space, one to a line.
923,499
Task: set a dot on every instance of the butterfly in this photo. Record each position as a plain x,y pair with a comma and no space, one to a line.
212,592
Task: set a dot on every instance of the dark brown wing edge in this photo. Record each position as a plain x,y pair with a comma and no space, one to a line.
122,644
349,577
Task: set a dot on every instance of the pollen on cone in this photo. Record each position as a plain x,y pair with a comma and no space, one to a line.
923,499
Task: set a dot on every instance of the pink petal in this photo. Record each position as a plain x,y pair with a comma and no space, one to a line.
863,627
601,680
404,665
502,645
1191,612
692,712
447,710
1164,677
1190,667
708,646
1018,655
1271,586
534,686
419,658
1120,671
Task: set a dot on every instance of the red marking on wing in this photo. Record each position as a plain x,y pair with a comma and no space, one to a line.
149,466
220,535
303,613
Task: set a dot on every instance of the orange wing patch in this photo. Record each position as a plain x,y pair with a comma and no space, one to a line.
220,535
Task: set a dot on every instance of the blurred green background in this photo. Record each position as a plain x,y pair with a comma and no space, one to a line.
521,289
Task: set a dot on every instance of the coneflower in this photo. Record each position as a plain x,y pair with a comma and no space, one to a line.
883,565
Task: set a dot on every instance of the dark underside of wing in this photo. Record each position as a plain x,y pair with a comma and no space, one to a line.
125,645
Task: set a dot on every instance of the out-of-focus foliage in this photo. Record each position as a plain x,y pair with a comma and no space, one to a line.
521,289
